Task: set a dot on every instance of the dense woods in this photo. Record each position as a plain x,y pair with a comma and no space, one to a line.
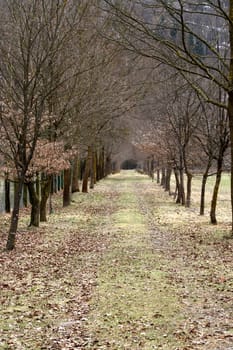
88,85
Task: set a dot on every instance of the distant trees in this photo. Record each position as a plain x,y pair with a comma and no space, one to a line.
178,131
59,88
195,39
184,117
213,138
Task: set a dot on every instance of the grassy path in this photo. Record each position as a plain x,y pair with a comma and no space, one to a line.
123,268
134,306
166,281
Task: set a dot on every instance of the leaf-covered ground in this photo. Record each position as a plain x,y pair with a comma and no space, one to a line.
123,268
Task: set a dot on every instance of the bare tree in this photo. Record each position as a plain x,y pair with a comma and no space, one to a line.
196,39
33,33
184,116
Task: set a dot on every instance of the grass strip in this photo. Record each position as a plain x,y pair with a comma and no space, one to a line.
134,306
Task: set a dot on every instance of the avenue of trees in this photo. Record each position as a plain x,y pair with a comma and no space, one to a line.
77,79
61,99
195,40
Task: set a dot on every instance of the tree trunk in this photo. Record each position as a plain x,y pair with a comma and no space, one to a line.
55,183
75,176
230,102
15,217
35,203
38,185
59,182
168,180
189,189
203,186
158,175
86,172
25,195
179,177
177,190
52,186
66,189
108,166
94,159
97,166
45,192
7,196
102,163
163,178
62,180
182,193
93,170
213,219
82,165
148,166
152,168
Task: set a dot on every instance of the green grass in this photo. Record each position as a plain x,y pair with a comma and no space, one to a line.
134,307
223,211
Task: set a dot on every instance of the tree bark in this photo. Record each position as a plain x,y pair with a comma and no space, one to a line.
75,176
93,169
52,185
168,180
148,166
38,185
163,178
177,191
62,180
59,182
158,175
86,171
55,183
25,195
45,192
66,189
108,167
97,166
10,245
213,219
230,102
102,163
189,189
152,168
7,196
182,192
203,186
35,203
179,177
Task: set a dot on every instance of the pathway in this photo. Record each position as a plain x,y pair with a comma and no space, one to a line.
121,269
